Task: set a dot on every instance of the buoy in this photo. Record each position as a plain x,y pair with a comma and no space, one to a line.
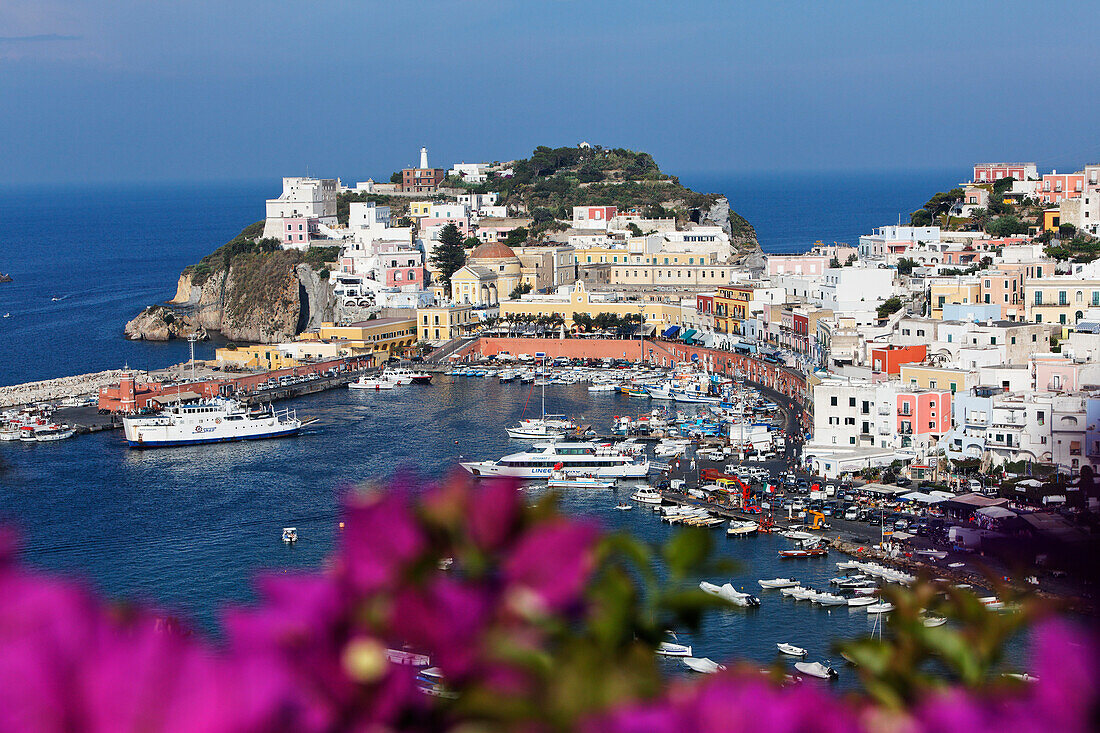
341,525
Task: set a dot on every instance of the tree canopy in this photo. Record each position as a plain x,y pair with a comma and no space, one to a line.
449,255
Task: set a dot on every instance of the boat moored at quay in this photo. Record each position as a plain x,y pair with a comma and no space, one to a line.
572,459
216,421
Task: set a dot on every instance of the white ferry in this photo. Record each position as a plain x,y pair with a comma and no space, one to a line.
573,459
216,421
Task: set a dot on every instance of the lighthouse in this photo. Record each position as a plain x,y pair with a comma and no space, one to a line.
423,158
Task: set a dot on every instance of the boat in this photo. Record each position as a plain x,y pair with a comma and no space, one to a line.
741,528
375,383
728,593
829,599
861,601
646,495
881,607
672,649
703,665
290,534
790,649
572,458
602,388
992,603
932,622
1021,676
955,564
816,669
406,376
778,583
560,480
810,552
50,433
934,554
624,507
219,420
533,429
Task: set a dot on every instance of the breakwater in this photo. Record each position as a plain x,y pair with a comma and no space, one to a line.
61,388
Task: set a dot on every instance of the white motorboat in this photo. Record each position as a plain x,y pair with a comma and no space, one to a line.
375,383
406,376
934,554
290,535
50,433
778,583
561,480
955,564
992,603
847,565
533,430
214,421
829,599
881,607
646,495
702,665
790,649
798,593
798,535
572,458
816,669
728,593
671,649
932,622
741,528
602,387
624,507
861,601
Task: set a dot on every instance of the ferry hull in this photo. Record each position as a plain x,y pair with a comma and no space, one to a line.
221,439
489,468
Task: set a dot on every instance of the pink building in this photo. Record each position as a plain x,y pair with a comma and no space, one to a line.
297,229
1057,187
797,264
403,267
1006,289
463,223
589,217
988,172
1054,374
923,412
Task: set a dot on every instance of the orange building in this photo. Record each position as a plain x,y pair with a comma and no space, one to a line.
130,396
889,359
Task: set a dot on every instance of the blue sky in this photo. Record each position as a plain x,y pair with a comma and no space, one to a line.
139,90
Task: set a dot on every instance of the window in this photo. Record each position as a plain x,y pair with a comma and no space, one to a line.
1038,297
953,387
851,402
1062,299
931,384
832,401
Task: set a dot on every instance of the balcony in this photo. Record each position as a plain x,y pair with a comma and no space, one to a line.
884,410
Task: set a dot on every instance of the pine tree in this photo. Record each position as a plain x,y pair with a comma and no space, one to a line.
449,255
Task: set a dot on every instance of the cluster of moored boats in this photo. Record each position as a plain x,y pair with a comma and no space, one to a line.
32,425
390,378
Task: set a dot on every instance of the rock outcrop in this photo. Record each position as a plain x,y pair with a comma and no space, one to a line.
746,249
161,323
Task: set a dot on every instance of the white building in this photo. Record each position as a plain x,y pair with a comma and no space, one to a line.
878,244
306,201
470,172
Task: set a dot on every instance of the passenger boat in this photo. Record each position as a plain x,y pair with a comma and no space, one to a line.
215,421
52,432
811,552
815,669
790,649
571,458
646,495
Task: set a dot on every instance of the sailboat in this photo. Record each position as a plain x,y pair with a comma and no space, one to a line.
547,427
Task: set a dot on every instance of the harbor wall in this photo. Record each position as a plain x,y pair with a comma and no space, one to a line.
61,388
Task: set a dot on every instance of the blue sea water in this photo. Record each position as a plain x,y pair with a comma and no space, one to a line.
187,528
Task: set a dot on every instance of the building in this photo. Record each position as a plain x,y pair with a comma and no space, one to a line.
895,240
304,205
422,179
492,271
1056,187
547,266
439,323
798,264
888,359
1061,299
470,172
731,306
382,337
689,276
267,357
593,217
496,229
924,376
568,302
957,290
989,172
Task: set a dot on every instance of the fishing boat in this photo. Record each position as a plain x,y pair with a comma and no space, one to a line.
809,552
561,480
375,383
790,649
702,665
778,583
572,458
218,420
729,593
290,535
742,527
816,669
646,495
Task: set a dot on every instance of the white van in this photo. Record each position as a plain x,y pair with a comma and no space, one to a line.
851,514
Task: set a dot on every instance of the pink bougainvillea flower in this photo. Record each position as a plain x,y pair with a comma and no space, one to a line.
492,514
547,571
380,538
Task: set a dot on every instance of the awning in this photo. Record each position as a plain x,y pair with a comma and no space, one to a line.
688,334
671,332
996,512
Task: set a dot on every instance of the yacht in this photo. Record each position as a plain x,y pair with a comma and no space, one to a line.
215,421
406,376
571,458
646,495
534,429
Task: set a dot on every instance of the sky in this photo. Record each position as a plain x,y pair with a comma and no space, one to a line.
154,90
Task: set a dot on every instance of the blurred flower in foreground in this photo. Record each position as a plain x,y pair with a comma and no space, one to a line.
538,622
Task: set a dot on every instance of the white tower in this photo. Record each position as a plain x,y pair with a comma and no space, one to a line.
423,157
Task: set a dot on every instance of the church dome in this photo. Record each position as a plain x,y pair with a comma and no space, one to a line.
492,251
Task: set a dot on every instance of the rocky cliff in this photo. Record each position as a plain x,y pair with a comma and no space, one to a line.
746,248
248,292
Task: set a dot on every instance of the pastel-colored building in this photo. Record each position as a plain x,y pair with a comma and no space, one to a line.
797,264
1062,299
440,323
955,290
989,172
888,359
593,217
1056,187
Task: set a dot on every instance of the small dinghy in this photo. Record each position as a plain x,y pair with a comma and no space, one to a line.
883,607
816,669
791,649
932,622
290,535
861,601
704,665
624,507
778,583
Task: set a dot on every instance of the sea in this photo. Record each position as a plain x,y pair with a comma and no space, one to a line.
187,529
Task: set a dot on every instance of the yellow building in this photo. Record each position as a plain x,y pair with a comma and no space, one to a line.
731,303
672,275
597,255
419,209
954,291
492,271
384,337
657,314
444,322
928,377
1052,219
255,356
1062,299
